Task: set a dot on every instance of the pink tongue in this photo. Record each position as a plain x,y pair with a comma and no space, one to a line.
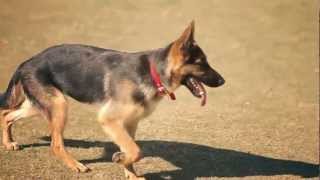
203,94
197,89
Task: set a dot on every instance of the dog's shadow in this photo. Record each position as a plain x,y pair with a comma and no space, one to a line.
194,160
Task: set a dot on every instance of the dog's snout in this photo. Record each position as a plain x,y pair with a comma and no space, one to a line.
221,81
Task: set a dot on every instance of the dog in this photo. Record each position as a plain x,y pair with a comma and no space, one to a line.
125,86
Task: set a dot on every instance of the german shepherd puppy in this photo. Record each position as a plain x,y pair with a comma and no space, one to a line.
126,86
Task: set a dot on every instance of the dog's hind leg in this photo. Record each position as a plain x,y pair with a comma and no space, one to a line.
53,106
7,139
15,106
9,117
57,121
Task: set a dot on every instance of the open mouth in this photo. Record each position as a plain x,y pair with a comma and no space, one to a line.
197,89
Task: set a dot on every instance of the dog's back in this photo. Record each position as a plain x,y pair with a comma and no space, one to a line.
85,73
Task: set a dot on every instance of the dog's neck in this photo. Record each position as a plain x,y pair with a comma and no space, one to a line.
159,58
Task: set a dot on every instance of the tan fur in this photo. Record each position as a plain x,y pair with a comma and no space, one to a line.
119,121
190,69
177,58
19,107
17,96
54,108
57,120
124,90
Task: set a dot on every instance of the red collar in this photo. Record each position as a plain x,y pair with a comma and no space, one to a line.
157,82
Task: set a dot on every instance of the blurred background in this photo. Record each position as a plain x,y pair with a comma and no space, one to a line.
267,51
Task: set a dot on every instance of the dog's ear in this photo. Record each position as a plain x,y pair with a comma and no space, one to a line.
182,45
179,50
187,37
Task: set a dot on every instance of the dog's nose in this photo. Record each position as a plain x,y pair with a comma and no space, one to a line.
221,81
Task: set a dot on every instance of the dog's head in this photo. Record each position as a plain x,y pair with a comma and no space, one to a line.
188,65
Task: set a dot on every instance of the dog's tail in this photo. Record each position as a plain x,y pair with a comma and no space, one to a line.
13,96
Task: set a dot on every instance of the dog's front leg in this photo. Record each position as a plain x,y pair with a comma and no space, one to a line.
130,152
131,127
114,123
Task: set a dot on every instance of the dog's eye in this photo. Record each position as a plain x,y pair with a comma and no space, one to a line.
194,61
197,61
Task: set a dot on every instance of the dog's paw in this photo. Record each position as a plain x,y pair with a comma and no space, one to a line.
118,157
12,146
80,168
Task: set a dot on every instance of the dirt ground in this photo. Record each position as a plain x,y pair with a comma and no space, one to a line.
262,124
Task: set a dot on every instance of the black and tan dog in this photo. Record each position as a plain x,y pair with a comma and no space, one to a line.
126,86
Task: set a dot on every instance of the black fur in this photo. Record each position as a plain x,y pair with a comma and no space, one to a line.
138,97
79,71
4,97
3,103
84,72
